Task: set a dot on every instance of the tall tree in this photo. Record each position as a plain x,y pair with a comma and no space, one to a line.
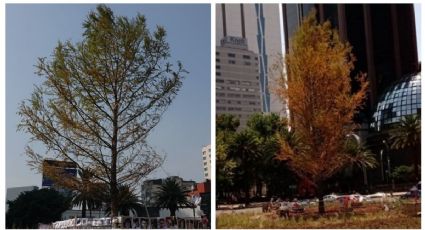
226,125
407,135
172,196
264,127
34,207
244,150
321,102
101,97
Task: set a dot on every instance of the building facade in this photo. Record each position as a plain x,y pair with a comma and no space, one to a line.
383,37
206,161
13,193
260,26
237,80
151,188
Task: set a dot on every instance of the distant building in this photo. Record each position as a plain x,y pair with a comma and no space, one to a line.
65,168
151,188
14,192
237,80
260,26
206,160
204,191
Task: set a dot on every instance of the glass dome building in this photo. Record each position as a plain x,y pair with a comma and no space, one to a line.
401,99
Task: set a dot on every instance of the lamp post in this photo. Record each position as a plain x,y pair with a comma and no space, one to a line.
389,165
382,166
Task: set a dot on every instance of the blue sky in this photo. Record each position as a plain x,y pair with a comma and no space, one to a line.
33,31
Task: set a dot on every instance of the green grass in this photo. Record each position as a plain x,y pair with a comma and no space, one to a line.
396,218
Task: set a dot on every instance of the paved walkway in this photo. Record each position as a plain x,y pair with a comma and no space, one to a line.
243,210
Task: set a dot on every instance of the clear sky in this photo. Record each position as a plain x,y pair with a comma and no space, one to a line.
418,21
33,31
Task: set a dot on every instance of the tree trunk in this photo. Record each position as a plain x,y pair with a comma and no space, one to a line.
321,201
83,209
172,212
114,156
246,196
416,160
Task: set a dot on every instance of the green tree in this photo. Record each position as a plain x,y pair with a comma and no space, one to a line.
172,196
403,173
264,127
86,192
101,97
227,123
34,207
226,126
244,150
127,201
317,88
407,135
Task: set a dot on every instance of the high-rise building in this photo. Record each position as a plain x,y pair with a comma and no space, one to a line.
383,37
237,84
206,161
260,26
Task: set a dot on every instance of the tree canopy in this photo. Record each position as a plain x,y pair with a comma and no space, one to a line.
172,196
37,206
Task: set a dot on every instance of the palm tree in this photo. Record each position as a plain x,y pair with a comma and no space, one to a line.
172,196
127,201
246,152
359,156
407,135
85,192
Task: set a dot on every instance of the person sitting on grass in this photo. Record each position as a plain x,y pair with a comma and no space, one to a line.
284,209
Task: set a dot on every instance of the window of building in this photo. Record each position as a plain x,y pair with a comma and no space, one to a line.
217,53
247,63
217,60
246,57
231,55
232,62
218,67
219,80
217,73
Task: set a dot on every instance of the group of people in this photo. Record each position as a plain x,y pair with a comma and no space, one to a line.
166,223
284,207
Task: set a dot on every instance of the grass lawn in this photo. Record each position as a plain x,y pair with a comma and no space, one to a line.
400,216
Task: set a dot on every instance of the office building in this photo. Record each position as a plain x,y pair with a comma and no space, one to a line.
206,161
237,84
260,26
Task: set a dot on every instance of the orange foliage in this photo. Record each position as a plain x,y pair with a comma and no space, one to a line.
317,88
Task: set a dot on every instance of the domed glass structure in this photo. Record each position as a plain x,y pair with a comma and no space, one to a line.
401,99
